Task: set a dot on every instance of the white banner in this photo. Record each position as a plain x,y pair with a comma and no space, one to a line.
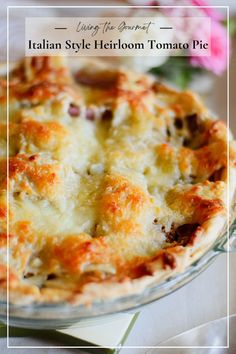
117,36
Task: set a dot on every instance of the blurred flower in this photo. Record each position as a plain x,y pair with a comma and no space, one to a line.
145,62
211,12
217,61
141,64
194,63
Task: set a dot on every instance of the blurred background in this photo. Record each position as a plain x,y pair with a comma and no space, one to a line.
206,76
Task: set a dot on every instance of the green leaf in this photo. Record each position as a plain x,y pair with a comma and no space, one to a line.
232,26
177,70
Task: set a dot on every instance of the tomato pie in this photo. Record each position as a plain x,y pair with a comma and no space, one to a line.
115,181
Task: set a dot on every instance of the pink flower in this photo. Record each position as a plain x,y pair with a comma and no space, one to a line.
208,11
217,61
211,12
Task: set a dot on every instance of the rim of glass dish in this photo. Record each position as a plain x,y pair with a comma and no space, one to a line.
127,303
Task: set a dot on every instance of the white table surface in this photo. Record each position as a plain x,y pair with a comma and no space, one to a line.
205,298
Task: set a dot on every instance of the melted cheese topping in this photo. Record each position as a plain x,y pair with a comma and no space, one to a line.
107,169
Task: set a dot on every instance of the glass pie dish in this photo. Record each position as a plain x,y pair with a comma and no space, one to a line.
52,316
62,315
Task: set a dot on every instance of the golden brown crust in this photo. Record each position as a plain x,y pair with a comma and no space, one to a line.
115,181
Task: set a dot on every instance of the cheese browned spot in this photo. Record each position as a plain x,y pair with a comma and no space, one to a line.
183,234
122,207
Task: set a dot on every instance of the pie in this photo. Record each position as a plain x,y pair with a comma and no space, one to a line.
116,181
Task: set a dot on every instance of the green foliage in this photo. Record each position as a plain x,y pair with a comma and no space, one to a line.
232,26
177,70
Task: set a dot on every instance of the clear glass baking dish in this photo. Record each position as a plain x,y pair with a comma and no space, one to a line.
63,315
